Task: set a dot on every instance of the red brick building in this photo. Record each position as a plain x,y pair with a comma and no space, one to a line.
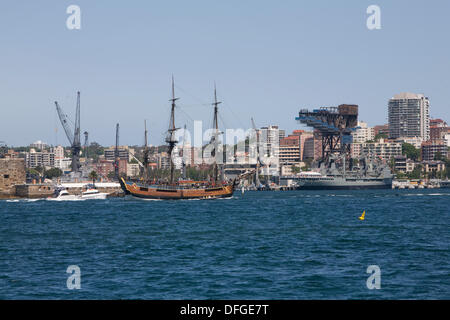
438,128
105,167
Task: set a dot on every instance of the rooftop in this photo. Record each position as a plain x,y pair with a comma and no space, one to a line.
407,95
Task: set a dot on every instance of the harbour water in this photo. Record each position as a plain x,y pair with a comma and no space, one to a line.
259,245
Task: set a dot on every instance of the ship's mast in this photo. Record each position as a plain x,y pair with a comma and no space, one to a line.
258,159
146,152
170,139
216,133
183,162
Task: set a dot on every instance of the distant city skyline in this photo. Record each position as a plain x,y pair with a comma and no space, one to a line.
268,59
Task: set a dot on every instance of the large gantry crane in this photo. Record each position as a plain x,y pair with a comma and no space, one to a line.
334,125
73,136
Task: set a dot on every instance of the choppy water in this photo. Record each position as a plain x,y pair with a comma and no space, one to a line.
260,245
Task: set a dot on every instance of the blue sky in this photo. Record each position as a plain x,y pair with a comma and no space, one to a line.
268,58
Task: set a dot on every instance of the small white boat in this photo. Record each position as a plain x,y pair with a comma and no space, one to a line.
61,194
92,193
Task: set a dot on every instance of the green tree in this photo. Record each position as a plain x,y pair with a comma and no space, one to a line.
381,136
94,176
400,175
416,173
295,169
95,150
40,170
53,173
410,151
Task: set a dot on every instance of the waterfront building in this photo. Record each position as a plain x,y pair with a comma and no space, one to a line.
355,150
270,138
35,159
124,153
290,150
11,154
433,166
446,138
383,149
312,147
415,141
269,150
409,116
281,134
106,167
381,129
292,147
163,160
364,133
63,163
59,152
404,165
133,170
431,148
438,128
39,145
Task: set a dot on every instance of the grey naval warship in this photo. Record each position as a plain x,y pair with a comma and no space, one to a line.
335,126
370,174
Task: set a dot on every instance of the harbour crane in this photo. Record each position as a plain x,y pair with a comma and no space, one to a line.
72,135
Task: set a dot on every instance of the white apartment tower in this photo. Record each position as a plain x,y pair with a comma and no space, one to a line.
364,133
409,116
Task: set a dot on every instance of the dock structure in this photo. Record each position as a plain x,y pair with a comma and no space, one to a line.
334,125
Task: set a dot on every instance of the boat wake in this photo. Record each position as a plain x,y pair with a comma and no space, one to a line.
54,199
23,200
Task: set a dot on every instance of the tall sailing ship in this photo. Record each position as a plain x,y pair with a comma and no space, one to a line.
182,189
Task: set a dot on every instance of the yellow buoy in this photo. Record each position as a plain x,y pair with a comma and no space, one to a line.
362,216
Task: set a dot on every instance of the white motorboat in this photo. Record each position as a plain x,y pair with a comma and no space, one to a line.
92,193
61,194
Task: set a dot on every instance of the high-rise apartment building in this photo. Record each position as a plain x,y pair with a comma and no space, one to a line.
409,116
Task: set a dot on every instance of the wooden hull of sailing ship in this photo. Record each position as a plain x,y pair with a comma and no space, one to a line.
174,193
